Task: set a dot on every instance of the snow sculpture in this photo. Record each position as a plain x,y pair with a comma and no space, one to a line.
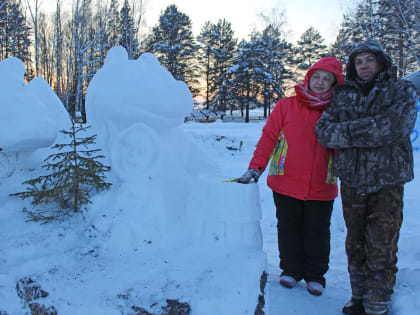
32,111
137,109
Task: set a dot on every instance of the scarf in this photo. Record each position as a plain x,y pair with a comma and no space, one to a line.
367,85
314,101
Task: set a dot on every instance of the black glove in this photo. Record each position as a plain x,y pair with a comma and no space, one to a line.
249,175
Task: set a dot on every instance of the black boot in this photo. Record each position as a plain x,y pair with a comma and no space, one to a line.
354,307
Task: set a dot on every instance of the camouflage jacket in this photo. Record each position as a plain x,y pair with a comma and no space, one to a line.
371,133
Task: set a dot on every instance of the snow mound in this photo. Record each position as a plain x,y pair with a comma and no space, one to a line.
31,114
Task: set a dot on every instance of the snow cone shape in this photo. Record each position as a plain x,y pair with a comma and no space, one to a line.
232,218
30,111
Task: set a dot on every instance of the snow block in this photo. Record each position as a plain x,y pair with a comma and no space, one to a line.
231,218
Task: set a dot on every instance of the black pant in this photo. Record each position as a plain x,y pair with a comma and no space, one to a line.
303,229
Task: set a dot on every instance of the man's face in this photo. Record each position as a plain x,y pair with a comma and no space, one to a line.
366,66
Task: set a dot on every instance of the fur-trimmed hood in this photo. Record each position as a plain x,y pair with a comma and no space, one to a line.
330,64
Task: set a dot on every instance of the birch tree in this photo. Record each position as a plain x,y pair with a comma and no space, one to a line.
34,11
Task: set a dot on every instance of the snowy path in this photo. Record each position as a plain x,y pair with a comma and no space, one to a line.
406,298
281,300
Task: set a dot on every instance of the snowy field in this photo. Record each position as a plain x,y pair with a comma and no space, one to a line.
170,236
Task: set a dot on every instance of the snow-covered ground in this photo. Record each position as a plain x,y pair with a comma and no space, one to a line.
170,229
169,237
406,299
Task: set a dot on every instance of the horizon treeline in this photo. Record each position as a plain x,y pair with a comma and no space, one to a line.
69,45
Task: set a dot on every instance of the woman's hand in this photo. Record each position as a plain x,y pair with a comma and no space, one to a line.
250,175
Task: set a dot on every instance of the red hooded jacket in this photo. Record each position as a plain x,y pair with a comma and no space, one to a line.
300,167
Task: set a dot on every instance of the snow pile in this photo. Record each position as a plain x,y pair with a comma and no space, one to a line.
31,113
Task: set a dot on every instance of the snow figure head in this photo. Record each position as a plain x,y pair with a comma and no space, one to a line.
125,92
32,111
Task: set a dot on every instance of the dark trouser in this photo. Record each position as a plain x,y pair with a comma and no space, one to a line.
373,224
303,229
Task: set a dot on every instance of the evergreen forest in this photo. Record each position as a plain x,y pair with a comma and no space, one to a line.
68,45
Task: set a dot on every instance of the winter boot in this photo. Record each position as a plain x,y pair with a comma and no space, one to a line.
354,307
314,288
376,312
287,281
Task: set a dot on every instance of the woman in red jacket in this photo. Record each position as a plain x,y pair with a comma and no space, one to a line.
300,176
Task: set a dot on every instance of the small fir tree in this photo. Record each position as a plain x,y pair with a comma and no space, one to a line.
75,173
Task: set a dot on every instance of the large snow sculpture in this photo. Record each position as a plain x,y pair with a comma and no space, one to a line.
165,180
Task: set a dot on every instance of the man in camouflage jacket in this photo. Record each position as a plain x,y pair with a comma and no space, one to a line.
369,123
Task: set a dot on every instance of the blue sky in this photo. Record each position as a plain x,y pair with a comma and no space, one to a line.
324,15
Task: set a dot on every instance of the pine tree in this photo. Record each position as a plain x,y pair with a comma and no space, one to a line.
400,31
342,45
224,51
127,31
393,23
112,31
249,73
14,31
310,48
173,44
58,50
275,74
75,172
205,58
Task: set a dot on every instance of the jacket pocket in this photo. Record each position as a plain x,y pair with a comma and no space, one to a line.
278,156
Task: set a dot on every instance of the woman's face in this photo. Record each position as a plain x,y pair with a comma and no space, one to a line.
321,81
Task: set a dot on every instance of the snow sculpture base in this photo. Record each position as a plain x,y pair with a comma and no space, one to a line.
225,214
